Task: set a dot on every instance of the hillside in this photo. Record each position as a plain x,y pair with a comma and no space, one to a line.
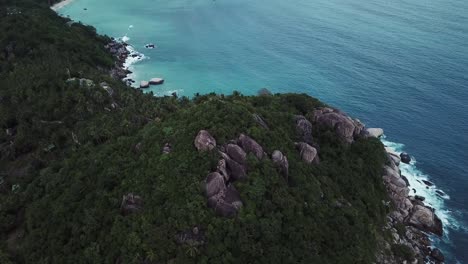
94,171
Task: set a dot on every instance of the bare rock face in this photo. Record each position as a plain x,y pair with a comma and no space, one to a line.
304,129
307,152
251,146
282,162
260,121
343,125
131,204
204,141
236,153
214,184
235,170
425,219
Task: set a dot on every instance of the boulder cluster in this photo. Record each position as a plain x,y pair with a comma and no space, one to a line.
219,189
345,127
222,195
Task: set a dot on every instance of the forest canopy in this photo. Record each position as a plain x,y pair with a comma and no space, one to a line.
70,151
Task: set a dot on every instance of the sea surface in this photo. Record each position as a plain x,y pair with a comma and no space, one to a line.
401,65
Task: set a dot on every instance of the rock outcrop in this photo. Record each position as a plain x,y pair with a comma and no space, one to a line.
405,158
144,84
214,184
235,170
131,204
282,162
374,132
393,155
236,153
304,129
156,81
307,152
227,202
204,141
345,127
424,218
251,146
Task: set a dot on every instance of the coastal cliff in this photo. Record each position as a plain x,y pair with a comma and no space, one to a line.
95,171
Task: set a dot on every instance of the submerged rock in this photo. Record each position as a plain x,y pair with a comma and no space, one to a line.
204,141
428,183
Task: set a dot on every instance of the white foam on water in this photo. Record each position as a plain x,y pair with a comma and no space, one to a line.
415,178
125,38
133,57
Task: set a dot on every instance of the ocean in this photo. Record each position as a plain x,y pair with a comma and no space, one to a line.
401,65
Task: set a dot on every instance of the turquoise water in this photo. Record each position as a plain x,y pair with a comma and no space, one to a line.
401,65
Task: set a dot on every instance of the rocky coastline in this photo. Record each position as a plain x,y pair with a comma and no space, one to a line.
122,52
411,222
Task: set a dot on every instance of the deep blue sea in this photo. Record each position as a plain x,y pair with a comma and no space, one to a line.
401,65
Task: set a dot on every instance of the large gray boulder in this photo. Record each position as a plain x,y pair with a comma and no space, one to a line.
424,218
375,132
235,170
131,204
204,141
214,184
304,129
344,126
144,84
251,146
307,152
236,153
282,162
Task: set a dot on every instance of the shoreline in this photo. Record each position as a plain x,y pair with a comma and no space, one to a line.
412,211
60,5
